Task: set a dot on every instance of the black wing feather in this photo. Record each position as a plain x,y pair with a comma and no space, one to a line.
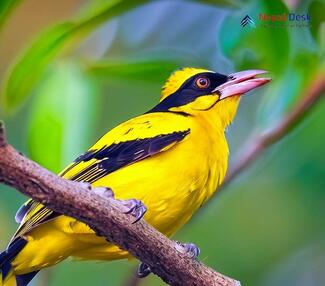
23,210
108,159
118,155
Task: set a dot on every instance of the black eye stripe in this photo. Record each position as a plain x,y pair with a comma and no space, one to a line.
188,91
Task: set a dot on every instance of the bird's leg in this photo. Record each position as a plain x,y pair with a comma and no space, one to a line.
188,248
134,207
143,270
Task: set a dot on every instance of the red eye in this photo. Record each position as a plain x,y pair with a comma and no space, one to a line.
202,82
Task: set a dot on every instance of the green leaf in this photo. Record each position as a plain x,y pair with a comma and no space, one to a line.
322,45
62,116
154,70
6,6
26,71
316,10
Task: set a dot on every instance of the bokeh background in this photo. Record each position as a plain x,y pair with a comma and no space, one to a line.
72,69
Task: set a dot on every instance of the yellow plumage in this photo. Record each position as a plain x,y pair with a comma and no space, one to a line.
172,182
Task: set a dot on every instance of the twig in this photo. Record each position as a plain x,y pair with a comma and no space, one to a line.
133,280
44,277
3,139
76,200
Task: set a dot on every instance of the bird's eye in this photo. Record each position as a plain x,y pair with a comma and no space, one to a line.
202,82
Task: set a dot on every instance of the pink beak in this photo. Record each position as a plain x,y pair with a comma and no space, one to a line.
241,82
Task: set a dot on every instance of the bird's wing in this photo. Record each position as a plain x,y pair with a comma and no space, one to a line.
130,142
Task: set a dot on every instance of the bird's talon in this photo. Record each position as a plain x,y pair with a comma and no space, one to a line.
143,270
85,185
130,205
104,192
140,212
190,249
134,207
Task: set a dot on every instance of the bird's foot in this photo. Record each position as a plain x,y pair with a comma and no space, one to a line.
134,207
188,248
143,270
104,192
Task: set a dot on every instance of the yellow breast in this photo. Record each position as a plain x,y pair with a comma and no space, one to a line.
174,184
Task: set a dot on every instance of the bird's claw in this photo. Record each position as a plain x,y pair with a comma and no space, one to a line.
104,192
134,207
143,270
189,248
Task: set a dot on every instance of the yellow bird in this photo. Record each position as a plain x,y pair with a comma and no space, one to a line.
172,159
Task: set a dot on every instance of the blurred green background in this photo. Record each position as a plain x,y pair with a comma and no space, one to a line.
71,70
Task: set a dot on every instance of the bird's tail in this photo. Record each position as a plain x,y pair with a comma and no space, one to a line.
7,275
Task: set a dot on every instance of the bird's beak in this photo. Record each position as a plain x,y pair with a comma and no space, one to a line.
240,83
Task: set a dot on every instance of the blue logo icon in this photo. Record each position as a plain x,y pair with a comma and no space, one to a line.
247,20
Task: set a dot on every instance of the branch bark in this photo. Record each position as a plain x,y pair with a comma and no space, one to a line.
101,214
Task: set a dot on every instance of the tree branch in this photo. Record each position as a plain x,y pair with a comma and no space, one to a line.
102,214
3,139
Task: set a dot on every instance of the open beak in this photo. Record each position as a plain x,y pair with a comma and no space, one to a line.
241,82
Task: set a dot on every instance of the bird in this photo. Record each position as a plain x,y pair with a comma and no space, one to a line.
162,165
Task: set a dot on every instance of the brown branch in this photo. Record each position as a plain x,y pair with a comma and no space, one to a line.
76,200
133,280
3,139
257,144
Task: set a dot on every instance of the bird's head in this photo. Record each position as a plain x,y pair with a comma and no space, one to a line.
200,92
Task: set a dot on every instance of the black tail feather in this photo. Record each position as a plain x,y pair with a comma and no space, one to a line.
24,279
5,269
9,254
